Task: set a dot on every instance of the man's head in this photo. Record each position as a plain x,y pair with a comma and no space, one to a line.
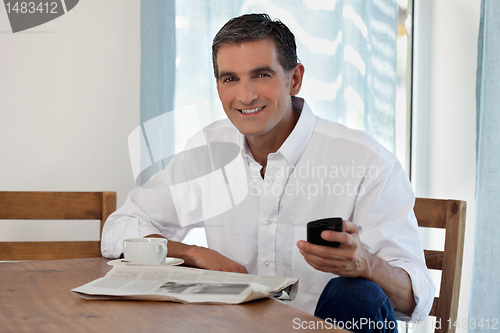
256,78
257,27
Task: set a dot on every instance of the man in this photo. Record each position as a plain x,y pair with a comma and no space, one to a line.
300,168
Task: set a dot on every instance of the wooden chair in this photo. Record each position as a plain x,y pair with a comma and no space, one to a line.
54,206
449,215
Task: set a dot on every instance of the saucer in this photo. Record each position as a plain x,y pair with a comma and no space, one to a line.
169,262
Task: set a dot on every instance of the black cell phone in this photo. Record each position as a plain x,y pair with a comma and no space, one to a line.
315,228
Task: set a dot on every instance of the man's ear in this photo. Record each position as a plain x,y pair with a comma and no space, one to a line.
296,76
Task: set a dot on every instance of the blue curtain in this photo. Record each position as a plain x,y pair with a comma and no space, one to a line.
158,53
485,298
157,58
348,48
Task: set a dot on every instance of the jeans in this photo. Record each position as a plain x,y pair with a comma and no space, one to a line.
358,305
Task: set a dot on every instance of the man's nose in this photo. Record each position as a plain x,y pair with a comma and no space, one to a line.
247,92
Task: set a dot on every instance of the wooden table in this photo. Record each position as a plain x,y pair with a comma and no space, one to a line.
35,296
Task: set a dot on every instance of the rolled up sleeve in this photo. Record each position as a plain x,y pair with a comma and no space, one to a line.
389,230
147,210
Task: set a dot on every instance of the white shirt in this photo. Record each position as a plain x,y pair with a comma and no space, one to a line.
323,169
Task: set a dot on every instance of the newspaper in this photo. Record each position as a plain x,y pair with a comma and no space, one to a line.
129,281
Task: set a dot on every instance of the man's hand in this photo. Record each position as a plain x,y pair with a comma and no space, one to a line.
350,259
201,257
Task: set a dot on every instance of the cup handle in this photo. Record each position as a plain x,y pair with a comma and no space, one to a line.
163,251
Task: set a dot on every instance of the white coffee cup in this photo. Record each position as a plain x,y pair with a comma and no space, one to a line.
145,250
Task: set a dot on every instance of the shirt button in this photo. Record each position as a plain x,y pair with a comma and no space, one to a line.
268,222
266,263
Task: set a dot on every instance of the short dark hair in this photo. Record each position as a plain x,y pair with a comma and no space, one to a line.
256,27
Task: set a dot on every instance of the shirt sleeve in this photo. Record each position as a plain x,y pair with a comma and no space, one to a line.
388,229
151,208
148,209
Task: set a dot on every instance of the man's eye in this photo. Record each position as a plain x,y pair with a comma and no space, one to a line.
229,79
263,75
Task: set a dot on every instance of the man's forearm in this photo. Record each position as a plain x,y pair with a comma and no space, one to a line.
395,283
179,250
201,257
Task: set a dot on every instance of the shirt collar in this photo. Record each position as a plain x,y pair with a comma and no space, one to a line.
296,143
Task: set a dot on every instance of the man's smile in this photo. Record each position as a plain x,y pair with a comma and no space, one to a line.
248,111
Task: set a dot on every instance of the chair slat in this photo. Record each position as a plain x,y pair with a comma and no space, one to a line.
431,213
49,250
51,205
434,259
434,307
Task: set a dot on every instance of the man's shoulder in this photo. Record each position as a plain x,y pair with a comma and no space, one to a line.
222,130
355,141
218,131
220,125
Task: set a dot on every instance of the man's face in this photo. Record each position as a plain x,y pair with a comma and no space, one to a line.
254,89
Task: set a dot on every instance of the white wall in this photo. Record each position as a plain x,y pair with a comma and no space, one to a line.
69,97
444,160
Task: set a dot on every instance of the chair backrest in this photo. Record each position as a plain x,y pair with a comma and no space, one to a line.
54,206
449,215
